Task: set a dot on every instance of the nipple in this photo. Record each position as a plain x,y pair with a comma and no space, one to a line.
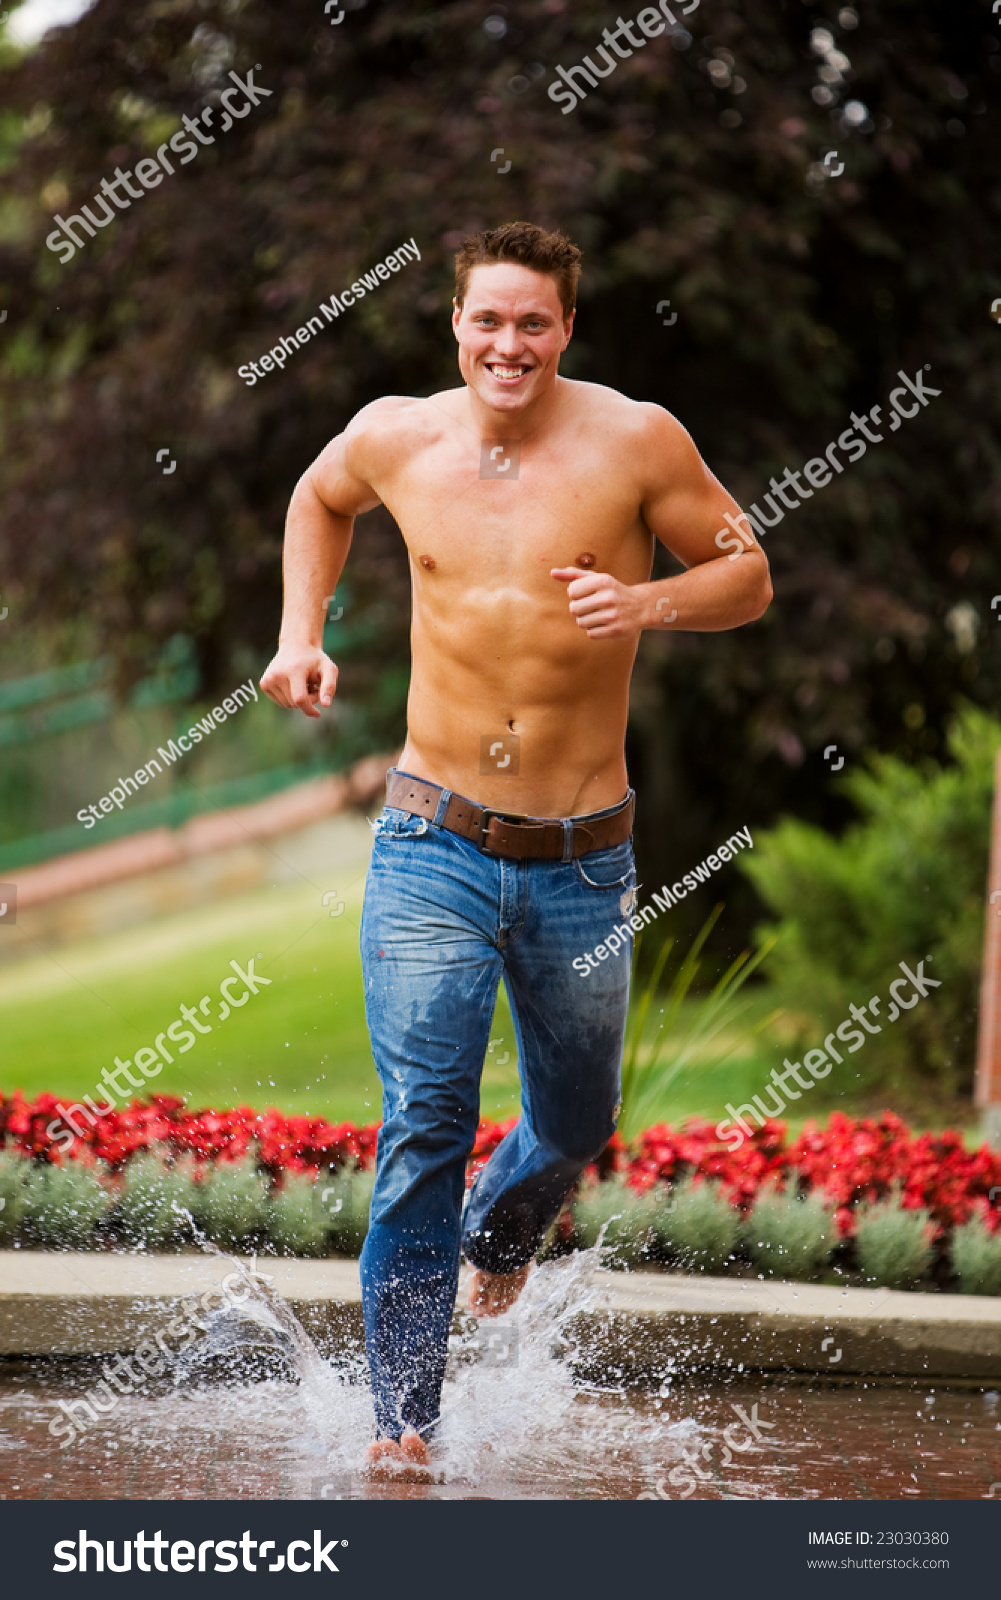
585,560
429,562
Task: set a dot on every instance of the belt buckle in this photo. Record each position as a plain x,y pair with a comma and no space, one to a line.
504,816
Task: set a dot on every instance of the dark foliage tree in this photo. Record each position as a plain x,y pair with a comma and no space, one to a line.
694,172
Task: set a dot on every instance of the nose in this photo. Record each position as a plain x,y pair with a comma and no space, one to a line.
507,341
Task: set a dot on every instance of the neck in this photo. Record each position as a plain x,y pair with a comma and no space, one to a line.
494,423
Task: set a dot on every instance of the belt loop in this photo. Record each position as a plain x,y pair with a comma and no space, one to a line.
438,819
567,838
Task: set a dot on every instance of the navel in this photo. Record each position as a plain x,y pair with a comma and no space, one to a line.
585,560
429,562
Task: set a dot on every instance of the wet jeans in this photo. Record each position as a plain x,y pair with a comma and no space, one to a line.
442,924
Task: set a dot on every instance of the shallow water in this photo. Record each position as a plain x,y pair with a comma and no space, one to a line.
517,1423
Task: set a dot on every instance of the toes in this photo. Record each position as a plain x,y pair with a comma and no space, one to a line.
384,1456
413,1448
493,1293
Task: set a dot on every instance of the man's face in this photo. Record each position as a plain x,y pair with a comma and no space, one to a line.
511,333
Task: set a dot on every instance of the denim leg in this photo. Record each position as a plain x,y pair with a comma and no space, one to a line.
570,1031
431,969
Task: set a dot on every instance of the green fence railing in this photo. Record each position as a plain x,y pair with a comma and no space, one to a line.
63,698
176,808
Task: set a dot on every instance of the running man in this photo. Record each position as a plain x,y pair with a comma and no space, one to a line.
529,504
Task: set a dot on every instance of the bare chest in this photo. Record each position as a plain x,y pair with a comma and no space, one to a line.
510,511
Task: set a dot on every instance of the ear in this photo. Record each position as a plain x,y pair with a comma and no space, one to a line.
456,314
568,328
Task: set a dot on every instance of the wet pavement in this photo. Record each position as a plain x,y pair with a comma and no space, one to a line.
745,1439
252,1411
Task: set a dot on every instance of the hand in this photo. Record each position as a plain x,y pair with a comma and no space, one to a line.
602,606
300,675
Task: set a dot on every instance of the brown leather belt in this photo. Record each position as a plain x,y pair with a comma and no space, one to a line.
509,833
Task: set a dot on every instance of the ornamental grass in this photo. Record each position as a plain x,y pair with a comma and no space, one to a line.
789,1235
976,1257
864,1198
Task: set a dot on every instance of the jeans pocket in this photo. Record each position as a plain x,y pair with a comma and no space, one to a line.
608,869
392,823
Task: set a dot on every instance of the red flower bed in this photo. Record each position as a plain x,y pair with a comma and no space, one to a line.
865,1160
849,1161
664,1155
283,1143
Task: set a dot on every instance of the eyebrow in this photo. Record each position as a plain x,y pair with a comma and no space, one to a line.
489,311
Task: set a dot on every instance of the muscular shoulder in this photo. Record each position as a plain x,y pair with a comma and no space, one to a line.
385,433
382,425
654,440
349,472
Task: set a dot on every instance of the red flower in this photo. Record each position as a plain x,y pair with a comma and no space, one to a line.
850,1161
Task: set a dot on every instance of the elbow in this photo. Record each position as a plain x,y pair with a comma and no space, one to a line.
762,595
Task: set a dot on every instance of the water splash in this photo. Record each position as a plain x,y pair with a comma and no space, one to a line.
515,1427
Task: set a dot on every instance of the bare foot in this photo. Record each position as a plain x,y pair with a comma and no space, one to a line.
399,1460
493,1293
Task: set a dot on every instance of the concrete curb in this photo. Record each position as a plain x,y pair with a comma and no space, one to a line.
661,1322
75,1304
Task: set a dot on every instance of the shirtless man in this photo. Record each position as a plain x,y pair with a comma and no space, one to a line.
529,505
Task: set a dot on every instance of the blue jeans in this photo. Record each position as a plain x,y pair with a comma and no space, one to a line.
442,923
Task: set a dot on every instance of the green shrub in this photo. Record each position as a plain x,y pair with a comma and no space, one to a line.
14,1173
65,1204
976,1258
695,1223
347,1203
626,1217
156,1200
232,1201
788,1236
295,1224
893,1246
904,883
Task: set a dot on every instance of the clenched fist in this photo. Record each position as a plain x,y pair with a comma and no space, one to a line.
300,675
601,605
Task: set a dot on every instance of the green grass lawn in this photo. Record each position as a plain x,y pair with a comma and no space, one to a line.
301,1043
736,1066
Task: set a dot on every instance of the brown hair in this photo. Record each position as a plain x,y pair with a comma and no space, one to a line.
551,253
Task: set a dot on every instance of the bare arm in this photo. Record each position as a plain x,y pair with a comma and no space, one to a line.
318,533
685,507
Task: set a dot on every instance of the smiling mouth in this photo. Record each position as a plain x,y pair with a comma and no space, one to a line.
506,374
